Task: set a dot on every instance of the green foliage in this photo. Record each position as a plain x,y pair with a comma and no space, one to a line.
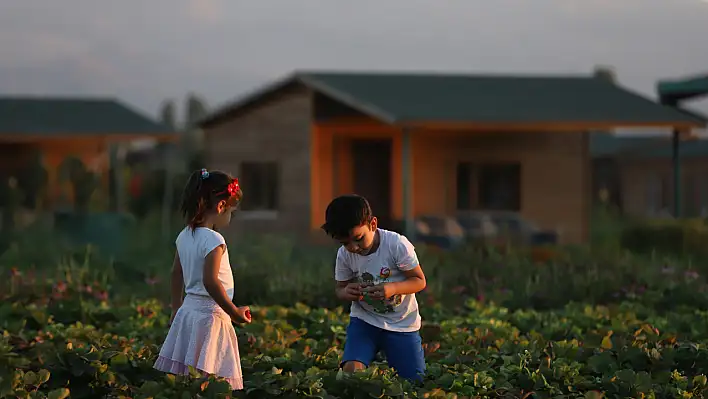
278,270
578,324
74,342
33,181
196,110
152,192
84,183
11,197
668,237
168,114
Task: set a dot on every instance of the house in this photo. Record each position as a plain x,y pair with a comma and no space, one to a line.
58,128
422,143
638,174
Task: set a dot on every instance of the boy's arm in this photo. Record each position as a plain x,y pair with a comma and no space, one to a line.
347,288
407,262
414,283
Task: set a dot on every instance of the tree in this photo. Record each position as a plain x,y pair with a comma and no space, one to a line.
196,109
168,114
84,182
33,181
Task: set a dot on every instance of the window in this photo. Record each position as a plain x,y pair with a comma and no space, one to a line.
489,187
260,183
464,186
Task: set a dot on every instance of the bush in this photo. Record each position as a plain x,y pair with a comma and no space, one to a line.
668,237
277,270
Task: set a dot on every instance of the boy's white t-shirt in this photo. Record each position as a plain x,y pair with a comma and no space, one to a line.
394,256
192,248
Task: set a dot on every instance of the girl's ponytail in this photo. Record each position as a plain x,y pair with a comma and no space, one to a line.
192,207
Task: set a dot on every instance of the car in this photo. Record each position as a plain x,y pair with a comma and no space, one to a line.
503,227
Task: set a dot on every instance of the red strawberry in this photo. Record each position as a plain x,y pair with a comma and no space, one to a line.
248,314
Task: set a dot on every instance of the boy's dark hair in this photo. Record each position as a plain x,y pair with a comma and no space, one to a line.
203,192
345,213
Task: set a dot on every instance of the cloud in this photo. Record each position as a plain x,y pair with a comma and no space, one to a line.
205,11
145,51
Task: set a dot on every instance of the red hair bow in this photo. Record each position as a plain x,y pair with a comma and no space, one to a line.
233,188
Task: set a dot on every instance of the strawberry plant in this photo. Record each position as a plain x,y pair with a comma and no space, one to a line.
572,325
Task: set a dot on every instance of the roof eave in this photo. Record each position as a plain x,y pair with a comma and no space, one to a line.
19,137
567,126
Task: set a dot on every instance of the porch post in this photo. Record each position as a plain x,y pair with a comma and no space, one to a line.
407,180
676,158
672,101
114,179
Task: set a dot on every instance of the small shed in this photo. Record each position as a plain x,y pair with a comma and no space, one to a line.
57,128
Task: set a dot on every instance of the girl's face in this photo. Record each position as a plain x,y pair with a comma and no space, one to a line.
223,214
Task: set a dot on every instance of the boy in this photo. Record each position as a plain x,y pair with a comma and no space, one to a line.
378,271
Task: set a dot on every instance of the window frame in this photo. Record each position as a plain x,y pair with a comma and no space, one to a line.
252,174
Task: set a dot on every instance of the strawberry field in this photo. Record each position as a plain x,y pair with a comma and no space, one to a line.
566,324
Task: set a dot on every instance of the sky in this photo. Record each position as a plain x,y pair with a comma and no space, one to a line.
144,52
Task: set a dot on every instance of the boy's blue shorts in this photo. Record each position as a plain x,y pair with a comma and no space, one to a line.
403,350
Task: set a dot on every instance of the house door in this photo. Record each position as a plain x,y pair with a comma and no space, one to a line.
372,176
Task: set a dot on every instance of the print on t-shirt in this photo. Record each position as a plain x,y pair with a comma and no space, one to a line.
387,305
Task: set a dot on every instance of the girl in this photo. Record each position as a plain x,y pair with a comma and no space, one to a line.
201,334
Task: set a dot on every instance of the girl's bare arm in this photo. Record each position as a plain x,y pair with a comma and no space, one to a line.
177,283
215,289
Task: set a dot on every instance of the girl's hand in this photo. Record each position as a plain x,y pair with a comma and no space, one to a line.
243,315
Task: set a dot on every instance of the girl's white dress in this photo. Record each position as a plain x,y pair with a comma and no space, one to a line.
201,334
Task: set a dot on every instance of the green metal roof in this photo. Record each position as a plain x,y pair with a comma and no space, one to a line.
403,98
683,89
407,98
42,116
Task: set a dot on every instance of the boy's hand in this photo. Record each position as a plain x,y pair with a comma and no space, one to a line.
379,291
352,292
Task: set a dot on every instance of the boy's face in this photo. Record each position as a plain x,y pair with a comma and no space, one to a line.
361,238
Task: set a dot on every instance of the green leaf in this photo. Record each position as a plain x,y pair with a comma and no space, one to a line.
61,393
170,379
216,389
119,359
395,389
291,383
643,382
43,376
150,388
30,378
606,343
